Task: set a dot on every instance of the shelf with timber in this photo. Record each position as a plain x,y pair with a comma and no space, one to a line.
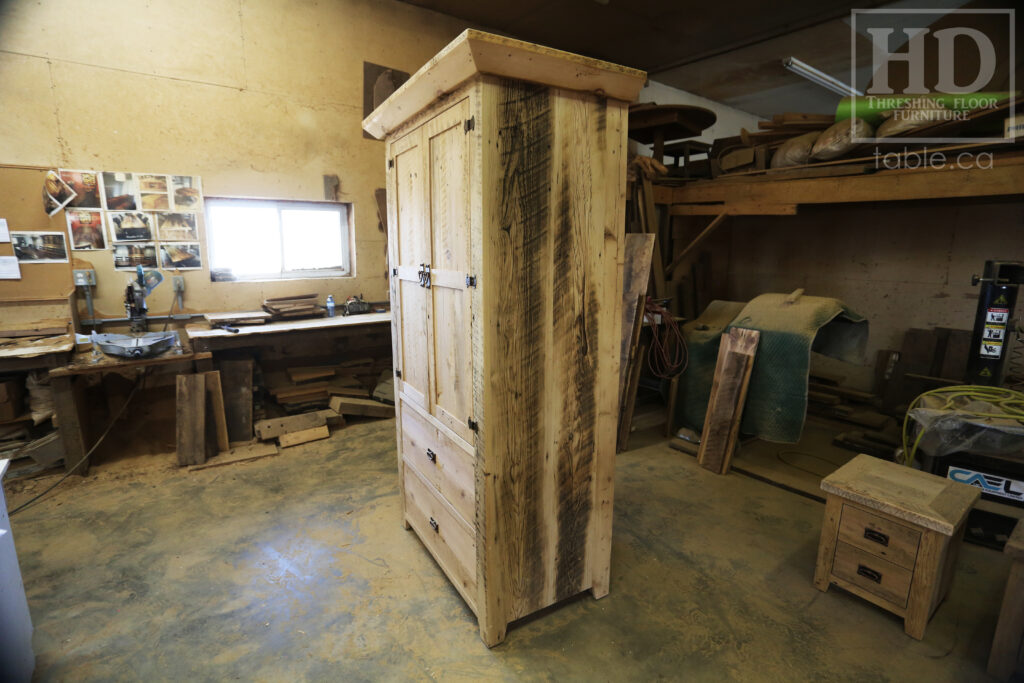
784,191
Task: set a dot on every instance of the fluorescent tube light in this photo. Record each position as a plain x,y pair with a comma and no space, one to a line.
819,77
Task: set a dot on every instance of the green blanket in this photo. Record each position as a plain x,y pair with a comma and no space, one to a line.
791,327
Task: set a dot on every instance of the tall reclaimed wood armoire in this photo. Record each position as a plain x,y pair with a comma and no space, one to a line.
506,182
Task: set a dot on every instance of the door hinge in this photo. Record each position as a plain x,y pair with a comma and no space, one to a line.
471,281
473,425
394,272
470,123
424,275
398,374
391,163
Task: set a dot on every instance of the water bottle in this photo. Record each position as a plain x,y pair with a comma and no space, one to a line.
330,305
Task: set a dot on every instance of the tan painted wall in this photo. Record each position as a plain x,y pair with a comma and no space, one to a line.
900,264
259,97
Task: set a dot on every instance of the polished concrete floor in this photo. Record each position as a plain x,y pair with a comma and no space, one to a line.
297,567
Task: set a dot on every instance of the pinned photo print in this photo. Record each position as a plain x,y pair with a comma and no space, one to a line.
129,226
56,193
180,256
86,186
119,191
86,229
128,256
177,227
186,192
40,247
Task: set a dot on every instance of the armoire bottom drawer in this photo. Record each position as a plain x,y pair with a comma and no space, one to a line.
440,460
449,539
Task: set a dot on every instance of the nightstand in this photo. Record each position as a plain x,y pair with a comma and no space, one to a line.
891,535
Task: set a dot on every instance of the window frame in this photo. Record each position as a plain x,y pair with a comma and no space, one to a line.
347,242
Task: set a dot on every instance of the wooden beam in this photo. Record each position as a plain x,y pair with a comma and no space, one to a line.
744,209
728,394
304,436
696,241
1004,178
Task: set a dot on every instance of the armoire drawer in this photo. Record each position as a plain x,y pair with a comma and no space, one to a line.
441,462
448,538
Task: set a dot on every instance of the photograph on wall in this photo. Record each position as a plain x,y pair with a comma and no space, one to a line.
118,191
40,247
153,191
180,256
127,256
177,227
187,192
86,229
130,226
56,193
86,186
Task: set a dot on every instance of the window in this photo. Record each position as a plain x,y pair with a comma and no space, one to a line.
252,239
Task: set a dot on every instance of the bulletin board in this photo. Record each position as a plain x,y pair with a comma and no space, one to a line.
21,204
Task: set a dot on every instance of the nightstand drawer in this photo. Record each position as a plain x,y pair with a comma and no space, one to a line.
873,574
879,536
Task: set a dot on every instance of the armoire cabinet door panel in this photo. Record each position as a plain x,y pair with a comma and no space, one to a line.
447,148
412,249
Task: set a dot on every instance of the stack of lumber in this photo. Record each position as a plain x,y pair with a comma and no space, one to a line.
292,307
298,429
301,388
867,430
37,328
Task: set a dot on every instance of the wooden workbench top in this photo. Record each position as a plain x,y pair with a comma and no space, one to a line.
85,363
920,498
37,347
199,332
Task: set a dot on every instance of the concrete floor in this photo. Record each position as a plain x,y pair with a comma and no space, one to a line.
296,567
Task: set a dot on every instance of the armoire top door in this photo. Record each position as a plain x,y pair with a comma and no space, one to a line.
446,142
409,254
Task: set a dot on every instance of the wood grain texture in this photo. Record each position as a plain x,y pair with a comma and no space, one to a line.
474,52
531,353
920,498
879,536
275,427
216,398
635,274
728,394
236,386
873,574
191,419
303,436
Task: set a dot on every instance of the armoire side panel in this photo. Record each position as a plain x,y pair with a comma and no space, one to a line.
549,338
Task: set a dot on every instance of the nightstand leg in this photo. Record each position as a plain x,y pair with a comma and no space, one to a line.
927,584
827,546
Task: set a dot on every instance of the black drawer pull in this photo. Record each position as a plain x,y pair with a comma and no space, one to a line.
866,572
431,456
434,525
876,536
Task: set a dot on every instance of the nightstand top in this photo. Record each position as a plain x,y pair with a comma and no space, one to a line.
917,497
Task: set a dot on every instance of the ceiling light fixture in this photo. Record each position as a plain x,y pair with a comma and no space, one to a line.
819,77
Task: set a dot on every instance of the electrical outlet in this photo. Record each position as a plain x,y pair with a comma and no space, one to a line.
85,276
178,283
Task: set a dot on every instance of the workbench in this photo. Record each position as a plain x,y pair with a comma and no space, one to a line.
217,339
69,400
